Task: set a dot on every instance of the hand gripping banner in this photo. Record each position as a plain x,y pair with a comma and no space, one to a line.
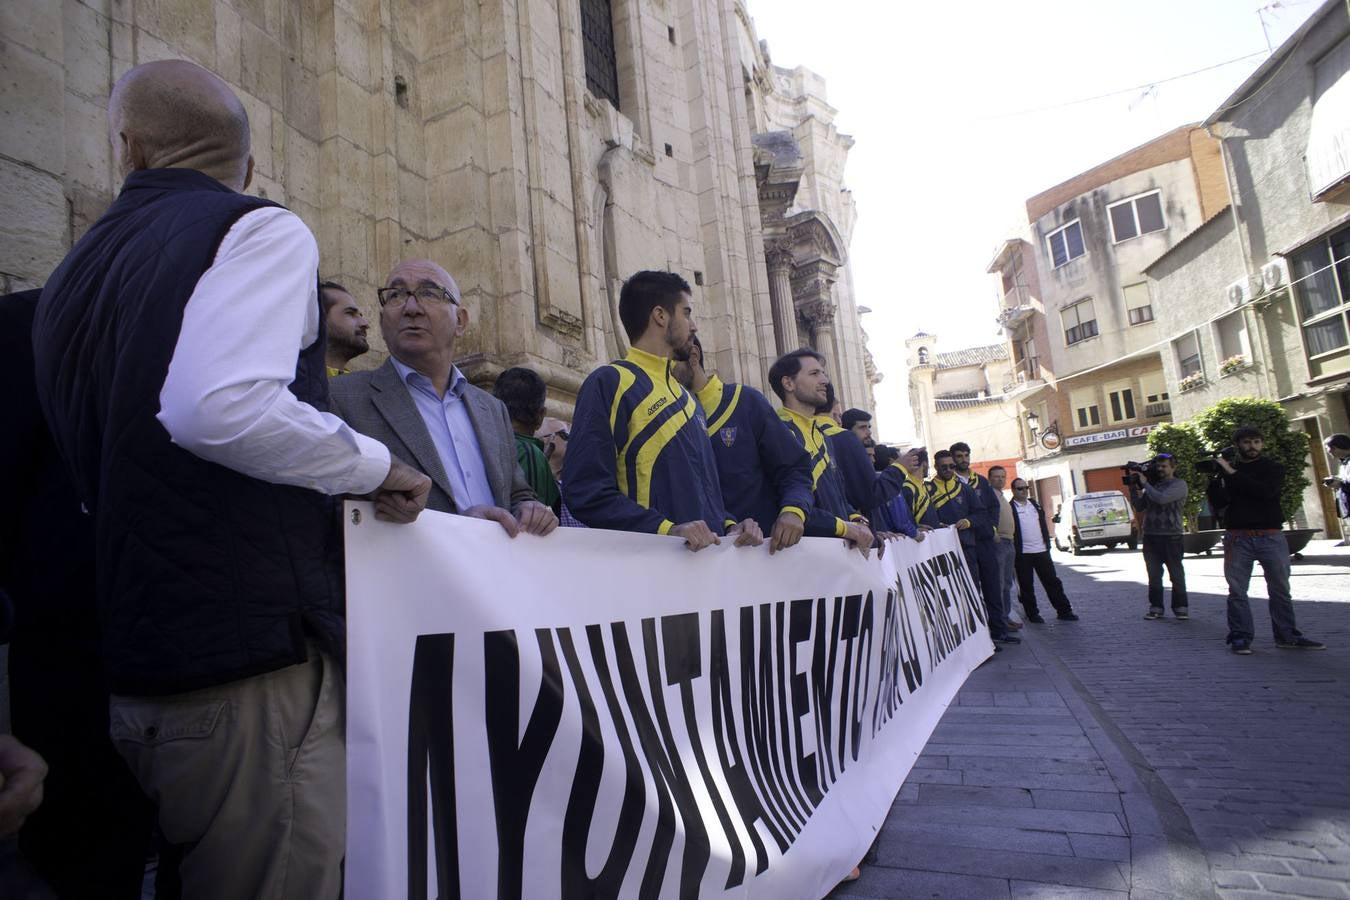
600,714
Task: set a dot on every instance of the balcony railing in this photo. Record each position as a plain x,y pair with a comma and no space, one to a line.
1157,410
1025,374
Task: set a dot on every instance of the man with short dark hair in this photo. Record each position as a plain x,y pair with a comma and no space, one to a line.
800,381
639,458
957,505
1247,493
765,474
345,327
1004,533
858,421
1031,541
524,393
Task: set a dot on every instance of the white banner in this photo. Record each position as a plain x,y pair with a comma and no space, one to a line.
598,714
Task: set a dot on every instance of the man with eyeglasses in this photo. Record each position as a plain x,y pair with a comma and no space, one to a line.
956,505
1031,544
553,434
420,405
1159,501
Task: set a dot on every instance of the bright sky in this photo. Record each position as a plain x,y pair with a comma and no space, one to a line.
936,96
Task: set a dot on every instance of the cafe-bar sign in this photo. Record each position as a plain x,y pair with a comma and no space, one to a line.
1101,437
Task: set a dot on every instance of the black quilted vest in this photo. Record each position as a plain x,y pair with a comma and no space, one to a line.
204,575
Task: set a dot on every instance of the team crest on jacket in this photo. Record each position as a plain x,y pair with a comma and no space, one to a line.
728,436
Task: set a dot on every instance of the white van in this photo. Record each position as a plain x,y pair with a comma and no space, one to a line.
1097,519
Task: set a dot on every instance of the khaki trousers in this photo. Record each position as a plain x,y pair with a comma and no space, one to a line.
250,777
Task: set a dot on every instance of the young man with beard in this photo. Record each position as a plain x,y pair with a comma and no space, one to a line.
639,458
1248,492
345,327
799,380
765,474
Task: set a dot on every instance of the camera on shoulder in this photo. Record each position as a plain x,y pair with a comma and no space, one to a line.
1211,466
1148,468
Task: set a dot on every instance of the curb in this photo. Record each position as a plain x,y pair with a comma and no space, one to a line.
1166,858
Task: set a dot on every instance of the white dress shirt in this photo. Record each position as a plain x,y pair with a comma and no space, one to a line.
1030,520
226,396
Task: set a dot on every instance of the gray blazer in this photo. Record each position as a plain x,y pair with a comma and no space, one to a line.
377,404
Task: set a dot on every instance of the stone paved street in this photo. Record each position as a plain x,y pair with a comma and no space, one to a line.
1117,757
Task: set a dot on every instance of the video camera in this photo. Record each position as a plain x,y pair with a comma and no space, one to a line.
1211,466
1148,468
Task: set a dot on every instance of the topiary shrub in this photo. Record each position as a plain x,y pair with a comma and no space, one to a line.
1186,447
1215,424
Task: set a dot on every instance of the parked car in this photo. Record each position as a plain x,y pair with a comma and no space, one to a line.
1097,519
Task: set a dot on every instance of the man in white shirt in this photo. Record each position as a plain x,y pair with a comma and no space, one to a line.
179,368
1031,541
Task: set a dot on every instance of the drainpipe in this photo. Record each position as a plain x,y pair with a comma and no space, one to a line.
1263,338
610,267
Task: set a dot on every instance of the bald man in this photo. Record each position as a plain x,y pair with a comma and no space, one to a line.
180,365
420,405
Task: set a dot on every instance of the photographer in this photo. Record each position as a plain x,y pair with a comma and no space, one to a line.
1247,492
1158,495
1338,450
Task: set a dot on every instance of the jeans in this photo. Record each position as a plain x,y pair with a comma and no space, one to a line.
1272,551
1164,550
1007,552
1044,569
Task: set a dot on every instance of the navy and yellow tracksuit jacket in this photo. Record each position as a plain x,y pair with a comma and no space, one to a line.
763,469
918,496
988,511
830,512
639,458
953,500
855,468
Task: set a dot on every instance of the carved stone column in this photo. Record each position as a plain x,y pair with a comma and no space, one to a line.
778,257
820,316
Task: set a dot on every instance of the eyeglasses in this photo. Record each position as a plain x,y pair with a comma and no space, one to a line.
561,432
427,294
1019,487
942,466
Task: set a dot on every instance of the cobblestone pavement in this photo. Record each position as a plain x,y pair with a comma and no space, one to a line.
1116,757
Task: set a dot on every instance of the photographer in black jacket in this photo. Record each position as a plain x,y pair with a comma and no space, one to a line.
1247,492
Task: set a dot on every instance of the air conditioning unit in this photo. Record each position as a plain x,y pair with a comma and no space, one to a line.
1274,276
1239,292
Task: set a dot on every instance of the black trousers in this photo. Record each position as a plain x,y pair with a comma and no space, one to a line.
982,559
1164,550
1026,564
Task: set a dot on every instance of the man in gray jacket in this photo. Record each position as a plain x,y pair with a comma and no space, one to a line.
1159,502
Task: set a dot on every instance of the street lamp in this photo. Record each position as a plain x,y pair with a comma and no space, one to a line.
1033,423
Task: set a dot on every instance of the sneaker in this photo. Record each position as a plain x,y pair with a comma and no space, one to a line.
1241,646
1067,617
1301,643
1153,613
1036,619
1006,638
1015,626
1181,613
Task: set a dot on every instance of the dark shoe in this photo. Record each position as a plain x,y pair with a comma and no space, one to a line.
1036,619
1006,638
1067,617
1015,626
1153,613
1301,643
1181,612
1241,646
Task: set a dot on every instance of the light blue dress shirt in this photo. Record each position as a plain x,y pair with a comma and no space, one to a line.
452,432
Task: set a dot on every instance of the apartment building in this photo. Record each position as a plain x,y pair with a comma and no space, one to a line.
1079,315
1256,301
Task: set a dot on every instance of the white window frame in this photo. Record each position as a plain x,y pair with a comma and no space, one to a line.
1065,329
1134,212
1094,404
1199,352
1147,381
1120,387
1147,304
1244,342
1060,230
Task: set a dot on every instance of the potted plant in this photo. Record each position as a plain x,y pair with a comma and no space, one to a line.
1182,441
1215,426
1232,364
1191,382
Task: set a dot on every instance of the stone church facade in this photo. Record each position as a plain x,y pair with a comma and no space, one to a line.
541,150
